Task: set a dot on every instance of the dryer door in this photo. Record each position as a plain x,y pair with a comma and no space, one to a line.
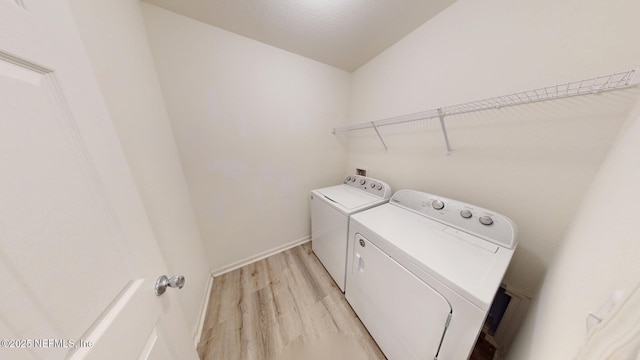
405,316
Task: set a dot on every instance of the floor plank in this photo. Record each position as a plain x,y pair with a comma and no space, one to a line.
281,308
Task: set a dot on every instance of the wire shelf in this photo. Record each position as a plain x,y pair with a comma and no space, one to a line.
595,85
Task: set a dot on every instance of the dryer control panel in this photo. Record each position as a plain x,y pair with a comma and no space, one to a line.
468,218
370,185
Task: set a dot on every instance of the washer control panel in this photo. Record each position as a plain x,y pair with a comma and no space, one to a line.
471,219
370,185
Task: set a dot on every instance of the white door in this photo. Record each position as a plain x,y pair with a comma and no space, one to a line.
78,259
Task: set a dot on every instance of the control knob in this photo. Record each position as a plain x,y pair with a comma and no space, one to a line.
373,185
466,213
485,220
437,204
363,181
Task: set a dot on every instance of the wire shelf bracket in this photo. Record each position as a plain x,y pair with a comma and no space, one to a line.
596,85
379,136
444,131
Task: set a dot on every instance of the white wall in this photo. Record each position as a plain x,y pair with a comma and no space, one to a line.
114,36
598,256
532,163
252,124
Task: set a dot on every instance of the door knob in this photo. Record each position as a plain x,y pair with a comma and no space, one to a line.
163,282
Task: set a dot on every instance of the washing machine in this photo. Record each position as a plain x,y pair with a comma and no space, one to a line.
331,208
422,273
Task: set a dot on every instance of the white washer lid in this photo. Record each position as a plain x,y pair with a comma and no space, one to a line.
471,270
348,197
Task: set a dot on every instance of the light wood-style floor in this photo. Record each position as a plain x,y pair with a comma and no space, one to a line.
281,308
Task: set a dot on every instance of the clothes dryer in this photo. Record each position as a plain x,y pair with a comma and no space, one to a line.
423,271
330,211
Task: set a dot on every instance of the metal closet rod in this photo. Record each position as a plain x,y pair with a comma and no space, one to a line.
595,85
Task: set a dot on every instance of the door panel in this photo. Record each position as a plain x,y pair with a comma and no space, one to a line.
78,260
51,215
156,347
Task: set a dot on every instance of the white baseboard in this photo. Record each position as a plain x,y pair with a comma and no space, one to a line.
260,256
203,313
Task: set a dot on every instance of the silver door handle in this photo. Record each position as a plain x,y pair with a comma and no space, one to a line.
163,282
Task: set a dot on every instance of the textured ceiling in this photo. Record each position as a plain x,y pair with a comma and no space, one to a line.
342,33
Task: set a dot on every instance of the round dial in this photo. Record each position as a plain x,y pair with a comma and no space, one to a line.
353,179
437,204
373,185
363,181
465,213
485,220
